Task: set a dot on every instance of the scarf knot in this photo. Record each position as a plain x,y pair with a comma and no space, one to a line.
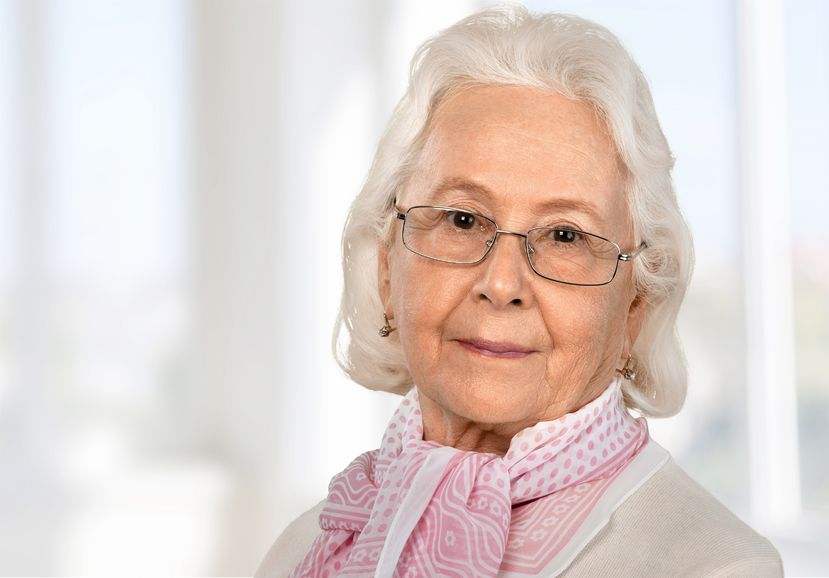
418,508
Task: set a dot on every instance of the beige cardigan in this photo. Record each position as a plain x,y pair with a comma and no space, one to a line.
670,526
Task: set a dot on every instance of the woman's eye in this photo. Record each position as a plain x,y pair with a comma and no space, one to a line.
462,220
565,236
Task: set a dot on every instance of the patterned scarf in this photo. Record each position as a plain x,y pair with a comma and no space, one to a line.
418,508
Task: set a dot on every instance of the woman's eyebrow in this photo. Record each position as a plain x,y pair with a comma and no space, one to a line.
547,207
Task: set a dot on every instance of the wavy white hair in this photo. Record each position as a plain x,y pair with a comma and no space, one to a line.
553,52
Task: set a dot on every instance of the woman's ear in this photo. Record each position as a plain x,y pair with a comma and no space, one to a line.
384,279
636,317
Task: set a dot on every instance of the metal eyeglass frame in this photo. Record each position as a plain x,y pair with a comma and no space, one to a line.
491,243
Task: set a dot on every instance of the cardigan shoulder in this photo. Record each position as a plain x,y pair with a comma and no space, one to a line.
292,545
672,526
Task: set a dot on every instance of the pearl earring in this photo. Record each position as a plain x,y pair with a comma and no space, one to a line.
628,371
386,329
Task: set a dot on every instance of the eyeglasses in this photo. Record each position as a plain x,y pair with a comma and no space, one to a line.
561,254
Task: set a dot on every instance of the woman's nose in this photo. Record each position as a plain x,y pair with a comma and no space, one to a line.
505,274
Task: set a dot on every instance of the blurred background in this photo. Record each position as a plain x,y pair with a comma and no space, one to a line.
174,177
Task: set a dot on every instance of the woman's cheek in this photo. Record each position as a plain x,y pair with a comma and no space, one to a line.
571,317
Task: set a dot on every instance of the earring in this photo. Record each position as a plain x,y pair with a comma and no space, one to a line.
386,329
628,371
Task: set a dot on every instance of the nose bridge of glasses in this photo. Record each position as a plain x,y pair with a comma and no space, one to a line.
504,231
523,256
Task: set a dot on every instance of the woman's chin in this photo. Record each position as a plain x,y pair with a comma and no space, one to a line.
490,404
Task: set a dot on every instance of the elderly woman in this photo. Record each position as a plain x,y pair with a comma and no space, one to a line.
519,246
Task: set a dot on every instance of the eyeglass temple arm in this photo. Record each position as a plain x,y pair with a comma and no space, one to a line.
629,256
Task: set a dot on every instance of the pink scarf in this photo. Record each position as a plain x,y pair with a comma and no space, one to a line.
417,508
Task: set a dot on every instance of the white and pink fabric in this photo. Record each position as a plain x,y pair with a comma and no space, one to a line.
418,508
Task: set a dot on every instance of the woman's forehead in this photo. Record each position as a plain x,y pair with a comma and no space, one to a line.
522,107
521,148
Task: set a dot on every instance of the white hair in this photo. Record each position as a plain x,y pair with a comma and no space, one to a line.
578,59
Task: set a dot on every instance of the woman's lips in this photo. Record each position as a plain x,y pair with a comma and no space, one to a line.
498,350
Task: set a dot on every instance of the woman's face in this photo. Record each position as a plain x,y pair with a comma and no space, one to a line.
504,152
